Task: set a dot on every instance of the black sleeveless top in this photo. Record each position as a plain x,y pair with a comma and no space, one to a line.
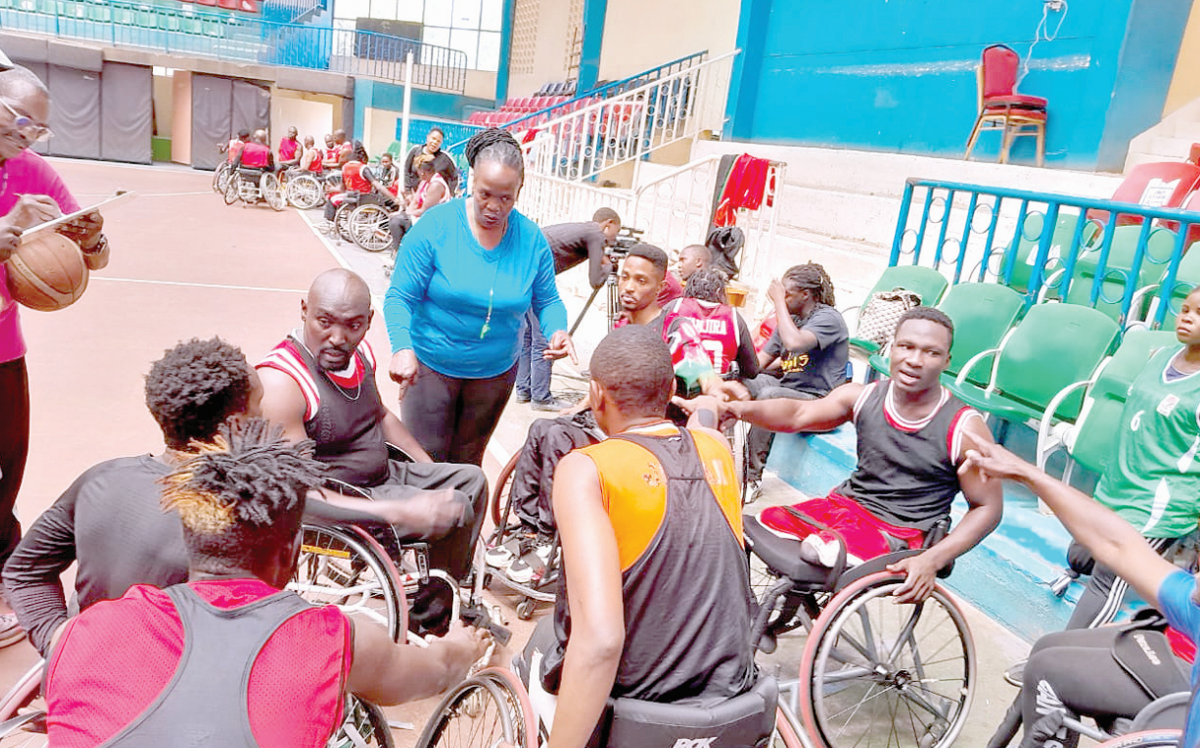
906,473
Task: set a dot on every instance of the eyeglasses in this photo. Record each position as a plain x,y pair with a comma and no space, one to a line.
32,131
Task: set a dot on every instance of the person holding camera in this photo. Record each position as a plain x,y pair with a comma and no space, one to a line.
571,244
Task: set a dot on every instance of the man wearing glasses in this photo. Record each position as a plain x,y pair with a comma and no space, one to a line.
31,193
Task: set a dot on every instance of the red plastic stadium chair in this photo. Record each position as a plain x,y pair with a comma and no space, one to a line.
1002,108
1163,185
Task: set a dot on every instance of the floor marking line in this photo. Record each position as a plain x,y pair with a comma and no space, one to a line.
193,285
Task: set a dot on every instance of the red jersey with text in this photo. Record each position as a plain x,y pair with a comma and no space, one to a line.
122,666
716,326
256,156
353,179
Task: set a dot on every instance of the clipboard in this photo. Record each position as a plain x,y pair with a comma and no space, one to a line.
50,226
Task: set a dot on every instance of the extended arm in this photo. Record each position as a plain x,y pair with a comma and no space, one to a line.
32,573
747,358
791,416
597,266
594,598
387,673
1111,540
397,433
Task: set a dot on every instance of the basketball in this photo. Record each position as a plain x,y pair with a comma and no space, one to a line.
47,273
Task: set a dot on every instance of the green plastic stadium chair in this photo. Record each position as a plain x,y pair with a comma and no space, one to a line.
1187,277
1091,441
394,149
1118,270
1054,347
927,283
982,313
1027,247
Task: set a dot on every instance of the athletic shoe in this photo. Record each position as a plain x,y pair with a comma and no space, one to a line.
533,564
521,398
10,630
818,551
552,405
752,492
502,555
1015,675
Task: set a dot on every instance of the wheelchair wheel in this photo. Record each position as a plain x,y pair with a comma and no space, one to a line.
341,221
220,177
1146,739
500,489
25,698
272,192
364,725
334,181
304,192
874,670
484,710
368,227
787,734
233,189
347,568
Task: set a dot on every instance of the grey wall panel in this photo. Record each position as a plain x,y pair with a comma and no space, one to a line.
25,48
211,119
74,112
127,106
41,70
251,106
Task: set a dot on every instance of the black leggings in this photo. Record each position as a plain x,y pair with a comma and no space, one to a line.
1075,671
453,419
14,448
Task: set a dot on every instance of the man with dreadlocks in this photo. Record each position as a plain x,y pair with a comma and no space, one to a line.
109,520
227,658
805,358
913,436
723,333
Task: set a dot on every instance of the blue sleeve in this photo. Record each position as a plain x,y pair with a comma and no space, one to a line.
547,305
410,281
1175,602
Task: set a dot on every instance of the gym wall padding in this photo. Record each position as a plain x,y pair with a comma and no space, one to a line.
212,119
127,105
251,106
74,112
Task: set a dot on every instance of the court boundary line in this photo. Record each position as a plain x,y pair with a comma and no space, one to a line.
192,284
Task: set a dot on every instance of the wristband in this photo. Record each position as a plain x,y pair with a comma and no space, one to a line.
707,418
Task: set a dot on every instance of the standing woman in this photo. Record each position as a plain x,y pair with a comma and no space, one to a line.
470,270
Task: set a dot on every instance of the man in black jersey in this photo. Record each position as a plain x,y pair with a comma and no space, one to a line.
912,441
110,520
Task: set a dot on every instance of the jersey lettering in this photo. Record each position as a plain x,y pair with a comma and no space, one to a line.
694,743
1136,422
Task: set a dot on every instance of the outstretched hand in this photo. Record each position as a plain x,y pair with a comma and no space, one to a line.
920,572
403,370
560,347
724,415
993,461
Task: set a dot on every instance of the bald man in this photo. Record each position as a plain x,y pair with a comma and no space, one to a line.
693,257
319,384
30,193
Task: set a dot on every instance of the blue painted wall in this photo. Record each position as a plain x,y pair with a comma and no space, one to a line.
379,95
899,75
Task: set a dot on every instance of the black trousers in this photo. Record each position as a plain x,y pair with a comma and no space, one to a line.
453,419
14,449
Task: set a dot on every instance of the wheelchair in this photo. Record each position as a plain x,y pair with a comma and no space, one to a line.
359,563
252,186
869,669
305,190
23,718
221,177
368,227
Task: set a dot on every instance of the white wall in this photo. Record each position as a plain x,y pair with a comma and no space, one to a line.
639,35
310,114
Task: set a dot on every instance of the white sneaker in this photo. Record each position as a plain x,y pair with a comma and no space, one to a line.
818,551
502,555
531,565
752,492
10,630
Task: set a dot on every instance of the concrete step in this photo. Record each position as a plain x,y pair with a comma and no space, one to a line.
1171,149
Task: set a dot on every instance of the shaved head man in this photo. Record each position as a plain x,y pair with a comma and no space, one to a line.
319,384
692,258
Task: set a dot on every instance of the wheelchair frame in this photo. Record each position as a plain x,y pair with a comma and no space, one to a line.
268,189
543,591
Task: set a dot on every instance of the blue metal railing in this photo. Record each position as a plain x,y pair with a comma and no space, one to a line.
1112,256
289,11
605,91
237,36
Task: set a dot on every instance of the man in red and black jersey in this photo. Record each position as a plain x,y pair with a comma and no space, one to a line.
912,440
256,154
227,658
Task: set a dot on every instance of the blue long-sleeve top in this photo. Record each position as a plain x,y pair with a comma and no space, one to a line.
444,281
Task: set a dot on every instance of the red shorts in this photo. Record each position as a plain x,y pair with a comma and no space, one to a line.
866,535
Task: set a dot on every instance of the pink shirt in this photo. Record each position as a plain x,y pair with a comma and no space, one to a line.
25,174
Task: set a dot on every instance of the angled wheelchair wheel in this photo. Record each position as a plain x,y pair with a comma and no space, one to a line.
1146,739
485,710
220,177
368,227
304,192
364,725
874,671
500,489
22,711
272,191
346,567
233,189
787,733
341,221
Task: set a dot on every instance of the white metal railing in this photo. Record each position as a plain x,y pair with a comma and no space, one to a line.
672,208
601,134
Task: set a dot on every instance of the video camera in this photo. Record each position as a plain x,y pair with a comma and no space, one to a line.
626,239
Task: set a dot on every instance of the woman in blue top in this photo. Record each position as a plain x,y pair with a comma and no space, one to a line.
466,276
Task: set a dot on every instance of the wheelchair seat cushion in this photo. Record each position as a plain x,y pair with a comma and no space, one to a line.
782,555
745,720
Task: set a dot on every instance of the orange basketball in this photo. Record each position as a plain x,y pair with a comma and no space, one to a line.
47,273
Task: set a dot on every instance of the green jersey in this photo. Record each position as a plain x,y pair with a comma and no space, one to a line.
1154,484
